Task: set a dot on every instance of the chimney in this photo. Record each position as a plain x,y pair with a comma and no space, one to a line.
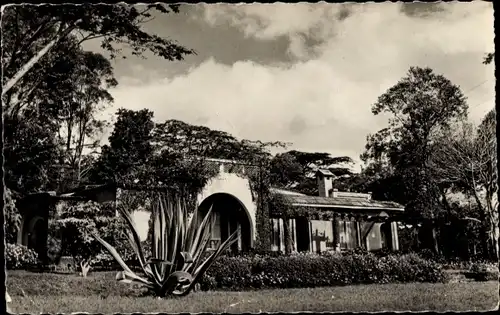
325,185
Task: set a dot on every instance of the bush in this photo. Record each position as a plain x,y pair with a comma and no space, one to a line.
20,257
312,270
483,272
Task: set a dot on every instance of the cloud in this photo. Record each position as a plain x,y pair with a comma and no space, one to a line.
322,102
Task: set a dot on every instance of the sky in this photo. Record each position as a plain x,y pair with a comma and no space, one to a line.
306,74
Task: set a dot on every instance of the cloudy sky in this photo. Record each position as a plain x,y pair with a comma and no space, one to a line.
306,73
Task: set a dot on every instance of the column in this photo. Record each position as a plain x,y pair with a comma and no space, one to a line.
281,229
358,233
238,226
336,234
394,236
294,235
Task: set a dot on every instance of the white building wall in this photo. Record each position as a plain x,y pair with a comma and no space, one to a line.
238,187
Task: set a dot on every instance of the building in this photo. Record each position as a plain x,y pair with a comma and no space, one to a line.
331,221
335,221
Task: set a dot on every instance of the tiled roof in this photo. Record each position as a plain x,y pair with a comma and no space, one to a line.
343,202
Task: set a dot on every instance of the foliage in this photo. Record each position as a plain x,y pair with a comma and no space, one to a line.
20,257
12,216
465,159
177,137
30,149
176,263
421,105
50,84
37,32
126,157
75,227
312,270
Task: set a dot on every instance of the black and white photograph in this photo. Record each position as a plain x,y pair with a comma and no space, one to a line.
249,158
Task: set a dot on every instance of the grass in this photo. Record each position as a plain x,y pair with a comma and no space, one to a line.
100,293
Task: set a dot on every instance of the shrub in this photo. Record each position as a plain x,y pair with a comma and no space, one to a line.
12,217
483,272
75,225
178,244
312,270
20,257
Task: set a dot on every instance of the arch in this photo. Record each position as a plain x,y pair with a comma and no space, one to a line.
238,188
231,213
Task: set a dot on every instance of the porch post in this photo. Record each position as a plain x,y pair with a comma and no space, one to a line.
358,232
238,227
281,234
311,241
336,234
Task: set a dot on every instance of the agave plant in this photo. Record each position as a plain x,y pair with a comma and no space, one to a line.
178,245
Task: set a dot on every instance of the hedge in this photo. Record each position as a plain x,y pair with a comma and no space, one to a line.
311,270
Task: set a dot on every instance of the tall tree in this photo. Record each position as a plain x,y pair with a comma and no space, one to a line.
83,94
130,149
465,159
33,32
178,137
30,150
420,104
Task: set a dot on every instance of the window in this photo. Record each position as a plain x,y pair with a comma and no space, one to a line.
348,234
322,235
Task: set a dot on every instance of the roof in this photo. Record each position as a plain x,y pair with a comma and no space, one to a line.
343,202
324,172
285,191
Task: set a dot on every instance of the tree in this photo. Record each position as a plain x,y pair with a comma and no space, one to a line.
128,155
296,169
61,112
421,104
466,159
30,151
12,217
76,225
286,171
178,137
35,31
88,76
41,58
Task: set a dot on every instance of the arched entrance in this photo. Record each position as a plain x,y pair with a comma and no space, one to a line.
35,235
230,214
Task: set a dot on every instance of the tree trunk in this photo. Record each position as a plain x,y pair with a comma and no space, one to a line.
483,234
27,67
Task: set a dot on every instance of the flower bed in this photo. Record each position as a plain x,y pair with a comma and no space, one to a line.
311,270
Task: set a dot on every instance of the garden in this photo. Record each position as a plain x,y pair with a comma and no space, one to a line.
179,275
430,158
268,283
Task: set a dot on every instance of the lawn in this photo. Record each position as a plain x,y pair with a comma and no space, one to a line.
100,293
